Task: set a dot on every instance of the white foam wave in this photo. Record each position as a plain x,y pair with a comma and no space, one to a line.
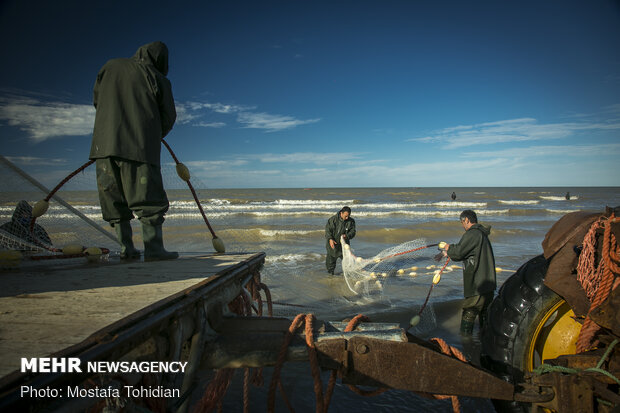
283,232
557,198
291,258
518,202
561,211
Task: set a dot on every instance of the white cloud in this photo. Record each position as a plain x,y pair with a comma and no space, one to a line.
271,123
307,157
44,120
512,130
612,149
35,161
211,124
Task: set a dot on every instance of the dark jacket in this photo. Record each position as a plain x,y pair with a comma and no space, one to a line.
19,226
135,107
475,250
336,226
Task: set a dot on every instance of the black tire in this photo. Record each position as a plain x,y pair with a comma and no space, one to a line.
514,320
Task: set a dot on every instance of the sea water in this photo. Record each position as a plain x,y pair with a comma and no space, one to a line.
289,226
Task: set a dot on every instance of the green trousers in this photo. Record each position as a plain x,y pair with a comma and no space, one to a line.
332,256
475,306
127,188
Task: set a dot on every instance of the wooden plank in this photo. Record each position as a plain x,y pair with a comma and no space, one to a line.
45,309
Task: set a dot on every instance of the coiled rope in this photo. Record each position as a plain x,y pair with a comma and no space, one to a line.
597,279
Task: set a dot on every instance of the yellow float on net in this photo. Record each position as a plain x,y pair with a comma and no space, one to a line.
430,267
413,274
373,275
414,268
437,277
72,249
400,272
40,208
93,254
183,172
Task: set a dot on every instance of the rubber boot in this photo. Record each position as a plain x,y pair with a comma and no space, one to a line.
154,244
124,236
467,322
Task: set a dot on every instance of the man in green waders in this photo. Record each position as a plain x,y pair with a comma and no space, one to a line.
135,110
338,225
479,282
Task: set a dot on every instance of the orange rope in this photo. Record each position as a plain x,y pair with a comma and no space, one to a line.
597,280
451,351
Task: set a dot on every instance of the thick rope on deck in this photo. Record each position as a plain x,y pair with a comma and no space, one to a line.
597,279
453,352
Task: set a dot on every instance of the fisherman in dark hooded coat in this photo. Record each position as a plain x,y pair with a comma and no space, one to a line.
134,112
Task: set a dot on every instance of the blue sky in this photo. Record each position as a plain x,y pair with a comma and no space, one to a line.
333,93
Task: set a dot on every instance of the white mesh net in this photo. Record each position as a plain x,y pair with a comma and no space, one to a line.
365,276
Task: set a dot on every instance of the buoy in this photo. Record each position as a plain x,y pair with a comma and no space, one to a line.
72,249
400,272
455,267
218,245
437,277
442,245
378,284
384,274
413,274
93,254
357,284
183,172
414,268
415,320
377,260
430,267
358,259
40,208
373,275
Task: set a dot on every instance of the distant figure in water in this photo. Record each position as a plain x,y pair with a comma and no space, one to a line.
453,196
567,196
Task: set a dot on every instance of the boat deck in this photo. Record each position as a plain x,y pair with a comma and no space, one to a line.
49,308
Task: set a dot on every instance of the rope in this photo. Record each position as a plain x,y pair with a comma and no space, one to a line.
49,196
432,286
597,281
409,251
191,188
454,352
547,368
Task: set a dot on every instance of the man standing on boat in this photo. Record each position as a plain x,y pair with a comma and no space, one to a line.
479,280
338,225
135,110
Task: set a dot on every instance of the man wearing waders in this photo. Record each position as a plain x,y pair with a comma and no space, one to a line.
474,249
134,111
338,225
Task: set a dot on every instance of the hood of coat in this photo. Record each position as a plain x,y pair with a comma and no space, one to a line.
485,230
155,54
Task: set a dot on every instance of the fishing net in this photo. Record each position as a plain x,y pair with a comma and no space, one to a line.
365,276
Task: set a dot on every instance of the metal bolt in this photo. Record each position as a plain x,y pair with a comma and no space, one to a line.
362,349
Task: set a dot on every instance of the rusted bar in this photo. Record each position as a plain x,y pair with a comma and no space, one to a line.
258,349
418,368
